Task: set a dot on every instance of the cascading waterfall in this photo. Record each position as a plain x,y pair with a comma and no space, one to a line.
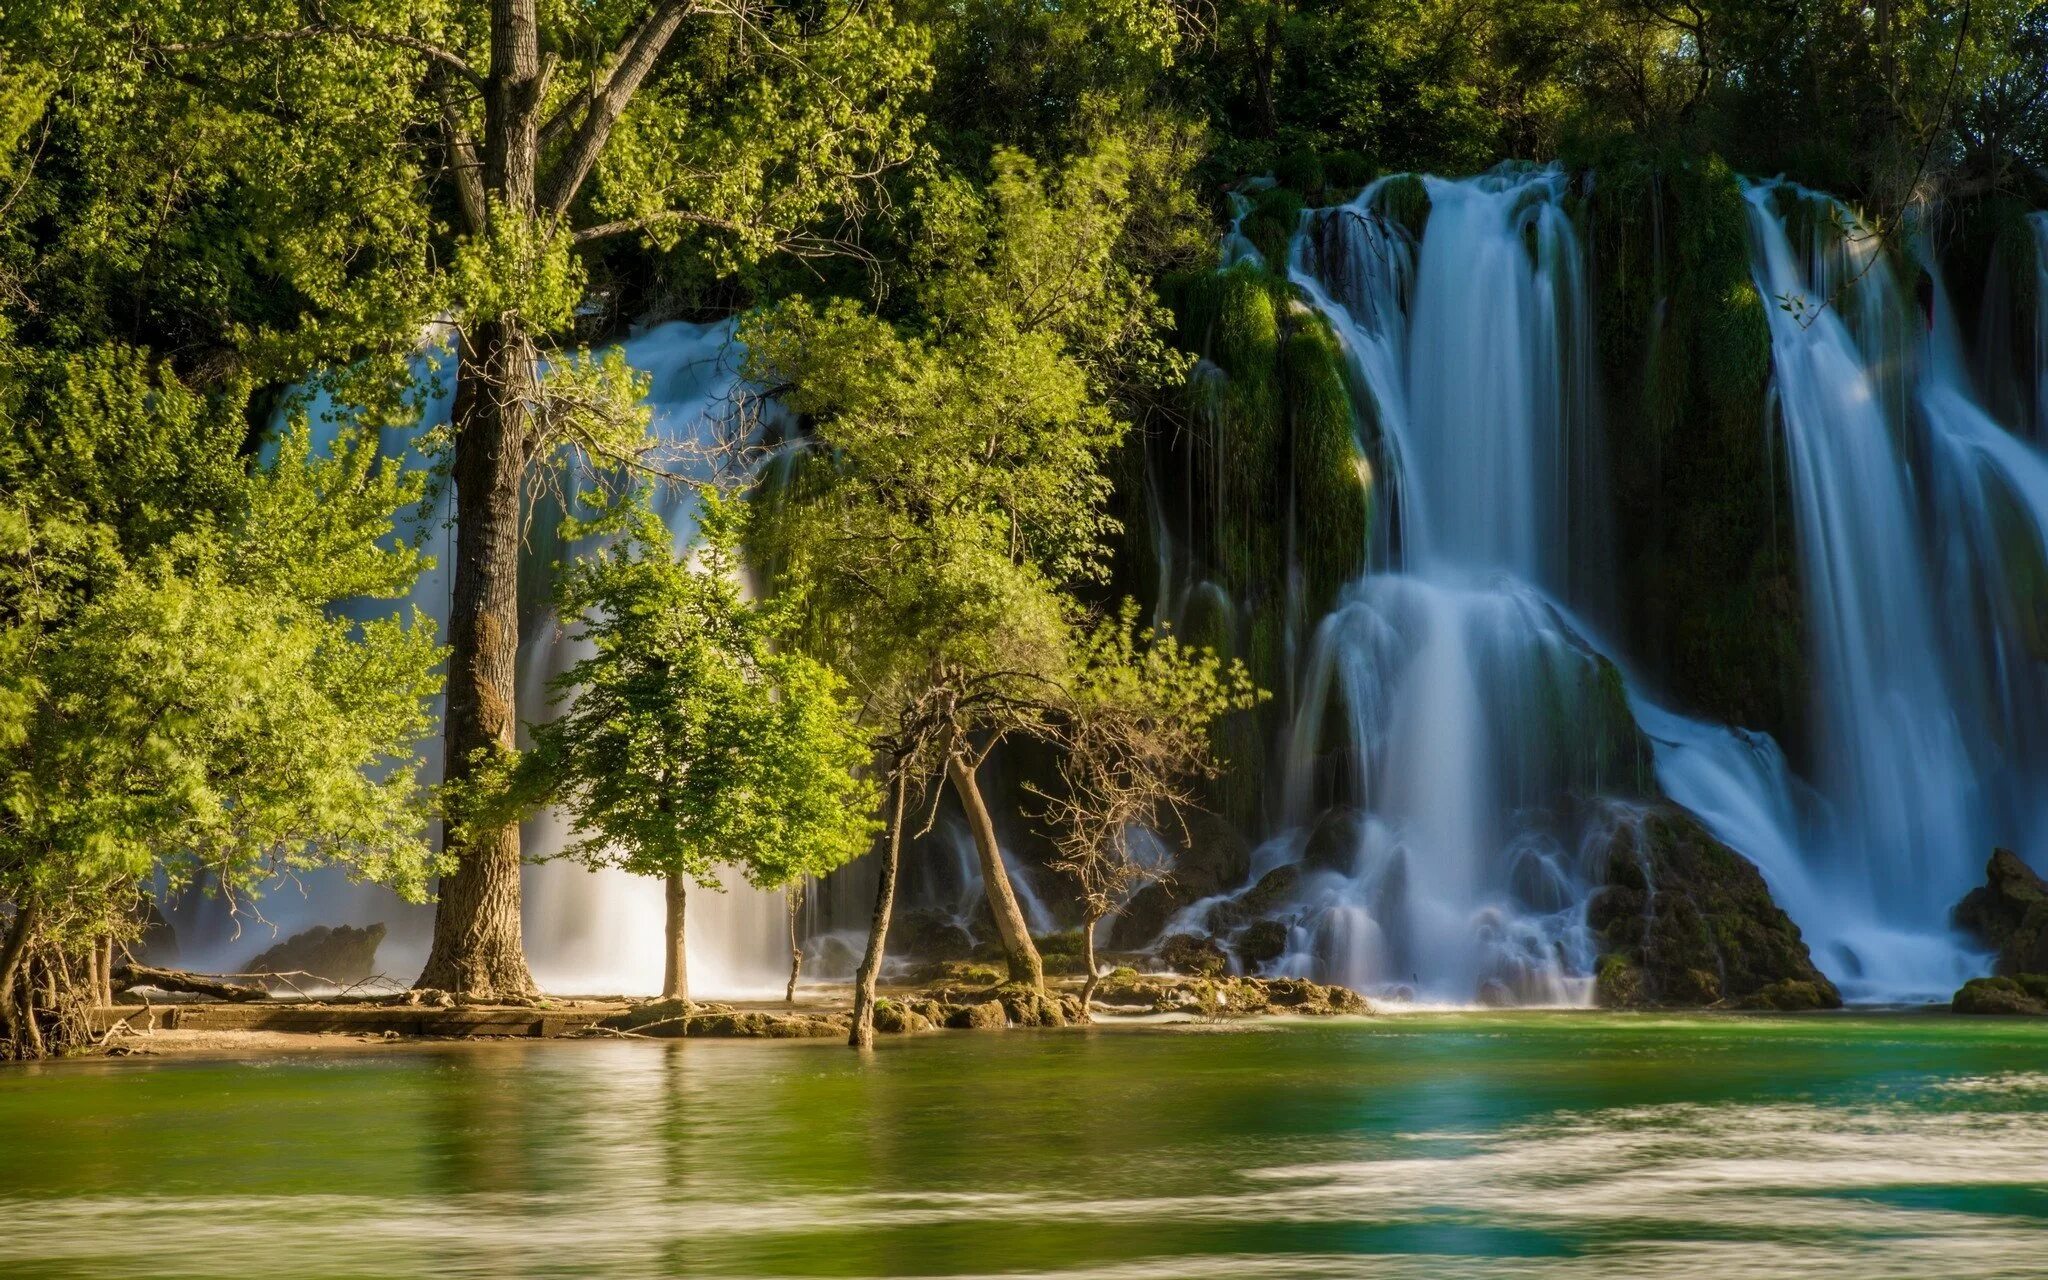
1453,873
586,931
1922,525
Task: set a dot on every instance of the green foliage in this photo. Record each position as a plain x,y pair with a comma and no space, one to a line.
690,739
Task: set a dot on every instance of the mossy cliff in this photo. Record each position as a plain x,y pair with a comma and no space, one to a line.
1261,497
1710,598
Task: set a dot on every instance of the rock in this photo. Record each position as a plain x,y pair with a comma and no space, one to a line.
971,972
1619,983
2025,994
987,1016
2008,915
1027,1006
753,1025
1495,994
342,955
925,934
1334,842
1261,942
1258,902
1707,933
1791,996
1299,995
1193,954
898,1018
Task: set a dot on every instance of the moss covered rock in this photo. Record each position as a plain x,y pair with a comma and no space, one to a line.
2025,994
1686,921
1193,954
989,1015
923,933
2008,914
1262,942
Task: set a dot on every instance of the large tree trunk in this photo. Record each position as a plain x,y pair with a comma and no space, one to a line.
478,950
1025,965
675,969
863,1036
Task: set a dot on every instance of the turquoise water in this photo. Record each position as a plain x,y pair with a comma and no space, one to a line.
1420,1145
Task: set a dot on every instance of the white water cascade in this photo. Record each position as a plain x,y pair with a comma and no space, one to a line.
1922,525
1921,522
1459,679
585,931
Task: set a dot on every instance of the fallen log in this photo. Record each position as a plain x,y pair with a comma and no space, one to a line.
198,984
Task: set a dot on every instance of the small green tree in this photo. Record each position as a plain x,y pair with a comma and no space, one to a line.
1133,724
689,740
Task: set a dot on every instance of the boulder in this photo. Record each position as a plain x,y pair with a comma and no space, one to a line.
1684,920
1262,942
897,1017
1334,842
343,955
2008,915
986,1016
1143,918
1263,899
2025,994
1193,954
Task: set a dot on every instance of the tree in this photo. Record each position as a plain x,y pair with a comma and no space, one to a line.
184,705
394,162
952,491
1133,725
689,740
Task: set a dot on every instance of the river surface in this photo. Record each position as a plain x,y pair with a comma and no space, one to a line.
1417,1145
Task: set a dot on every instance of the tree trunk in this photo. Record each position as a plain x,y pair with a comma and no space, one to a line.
478,950
26,914
1025,965
863,1036
1094,978
796,949
675,971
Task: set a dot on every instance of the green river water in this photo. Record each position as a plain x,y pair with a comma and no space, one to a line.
1425,1145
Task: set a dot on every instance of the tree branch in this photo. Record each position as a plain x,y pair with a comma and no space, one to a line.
624,226
629,66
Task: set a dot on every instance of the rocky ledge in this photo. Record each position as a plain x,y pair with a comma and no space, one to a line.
2008,916
970,1007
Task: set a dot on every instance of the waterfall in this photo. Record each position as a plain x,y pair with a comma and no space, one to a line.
1449,871
585,931
1921,527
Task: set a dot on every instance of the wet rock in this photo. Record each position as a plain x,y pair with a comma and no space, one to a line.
1791,997
2025,994
1027,1006
2008,915
987,1016
342,955
1262,900
1618,984
753,1025
968,972
1193,954
1299,995
1495,994
896,1018
1262,942
1693,920
1143,918
925,934
1335,840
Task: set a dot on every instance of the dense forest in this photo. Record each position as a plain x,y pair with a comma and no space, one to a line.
970,253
